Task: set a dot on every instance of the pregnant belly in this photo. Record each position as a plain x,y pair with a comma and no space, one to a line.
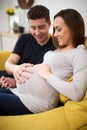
35,85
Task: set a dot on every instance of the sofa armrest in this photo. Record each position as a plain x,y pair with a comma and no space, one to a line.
3,57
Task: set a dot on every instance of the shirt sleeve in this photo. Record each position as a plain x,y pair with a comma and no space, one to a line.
74,90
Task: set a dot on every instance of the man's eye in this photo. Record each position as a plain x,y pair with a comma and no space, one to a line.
42,27
33,28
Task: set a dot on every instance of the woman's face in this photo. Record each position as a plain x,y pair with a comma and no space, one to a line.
62,33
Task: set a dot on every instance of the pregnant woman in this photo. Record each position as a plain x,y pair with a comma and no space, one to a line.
40,92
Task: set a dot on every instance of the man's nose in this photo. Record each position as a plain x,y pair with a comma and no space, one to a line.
37,31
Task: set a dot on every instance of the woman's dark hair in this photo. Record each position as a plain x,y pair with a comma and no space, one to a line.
38,12
75,23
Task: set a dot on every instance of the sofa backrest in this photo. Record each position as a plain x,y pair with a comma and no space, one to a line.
3,57
85,41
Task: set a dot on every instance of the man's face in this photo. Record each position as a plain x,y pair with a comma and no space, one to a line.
40,30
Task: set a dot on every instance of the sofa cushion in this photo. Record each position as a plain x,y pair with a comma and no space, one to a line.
49,120
76,113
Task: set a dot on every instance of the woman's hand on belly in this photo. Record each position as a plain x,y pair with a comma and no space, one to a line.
43,70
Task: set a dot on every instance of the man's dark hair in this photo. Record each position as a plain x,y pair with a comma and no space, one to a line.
38,12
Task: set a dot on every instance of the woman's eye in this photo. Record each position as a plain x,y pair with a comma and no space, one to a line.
59,29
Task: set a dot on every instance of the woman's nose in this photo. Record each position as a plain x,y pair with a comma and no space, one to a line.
55,34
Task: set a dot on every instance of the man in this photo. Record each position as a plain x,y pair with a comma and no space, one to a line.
29,48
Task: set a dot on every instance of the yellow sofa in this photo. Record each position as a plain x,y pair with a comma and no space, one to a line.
70,116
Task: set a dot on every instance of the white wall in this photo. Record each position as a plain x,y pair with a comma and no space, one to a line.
53,5
3,17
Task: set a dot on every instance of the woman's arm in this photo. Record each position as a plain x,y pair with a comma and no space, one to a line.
74,90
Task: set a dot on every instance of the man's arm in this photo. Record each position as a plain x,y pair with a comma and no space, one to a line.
12,67
11,63
7,82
